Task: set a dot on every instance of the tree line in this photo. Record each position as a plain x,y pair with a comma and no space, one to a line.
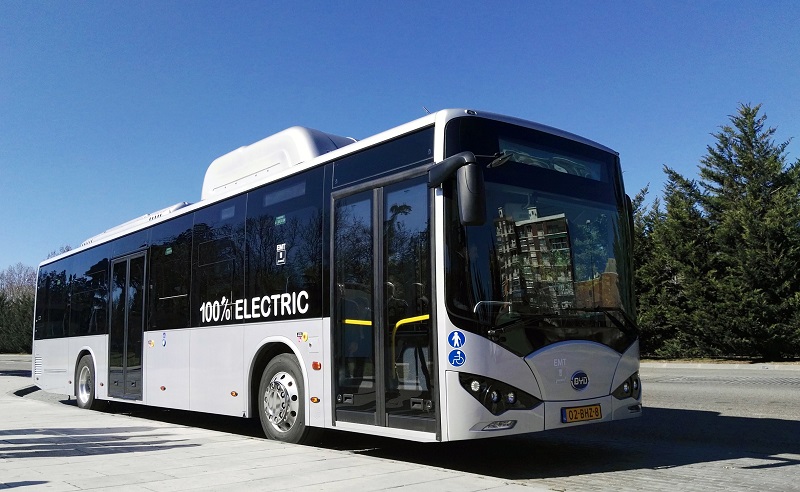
717,257
17,290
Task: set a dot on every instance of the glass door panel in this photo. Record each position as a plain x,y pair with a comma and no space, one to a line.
127,327
406,298
353,315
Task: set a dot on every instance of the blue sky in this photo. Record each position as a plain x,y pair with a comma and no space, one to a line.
110,110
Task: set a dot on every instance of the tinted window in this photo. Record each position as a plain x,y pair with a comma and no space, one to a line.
130,243
218,261
284,248
404,152
89,292
170,274
52,314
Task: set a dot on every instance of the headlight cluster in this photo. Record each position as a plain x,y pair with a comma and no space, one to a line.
496,396
630,388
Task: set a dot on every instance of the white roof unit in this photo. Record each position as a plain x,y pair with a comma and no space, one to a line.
271,155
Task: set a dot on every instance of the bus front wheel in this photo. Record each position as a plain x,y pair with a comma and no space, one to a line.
282,401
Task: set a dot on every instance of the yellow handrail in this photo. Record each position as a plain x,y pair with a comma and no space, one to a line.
397,325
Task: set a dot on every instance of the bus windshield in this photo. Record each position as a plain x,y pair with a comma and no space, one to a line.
553,260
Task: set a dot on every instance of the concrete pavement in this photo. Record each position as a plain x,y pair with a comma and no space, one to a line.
46,446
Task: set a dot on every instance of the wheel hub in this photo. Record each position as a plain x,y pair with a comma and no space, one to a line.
281,402
85,384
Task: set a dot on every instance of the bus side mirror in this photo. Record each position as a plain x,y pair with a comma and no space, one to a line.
471,195
470,191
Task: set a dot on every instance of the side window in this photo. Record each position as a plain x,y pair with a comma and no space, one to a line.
218,262
394,156
88,314
284,249
170,274
52,308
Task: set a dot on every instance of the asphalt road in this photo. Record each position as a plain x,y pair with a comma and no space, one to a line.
703,428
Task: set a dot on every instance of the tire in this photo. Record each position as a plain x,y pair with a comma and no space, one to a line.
282,402
85,384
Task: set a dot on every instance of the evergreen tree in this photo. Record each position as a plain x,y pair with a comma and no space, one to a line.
673,292
751,200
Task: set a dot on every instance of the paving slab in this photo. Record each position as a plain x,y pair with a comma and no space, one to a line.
51,447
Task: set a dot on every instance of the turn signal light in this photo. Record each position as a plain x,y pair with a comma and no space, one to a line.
316,365
314,399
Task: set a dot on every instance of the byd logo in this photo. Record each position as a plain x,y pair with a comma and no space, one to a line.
579,380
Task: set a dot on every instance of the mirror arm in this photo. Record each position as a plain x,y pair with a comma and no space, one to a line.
439,173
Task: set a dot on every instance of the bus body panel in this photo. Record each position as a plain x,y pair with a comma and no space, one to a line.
97,347
592,365
482,357
167,370
51,363
217,370
301,338
468,419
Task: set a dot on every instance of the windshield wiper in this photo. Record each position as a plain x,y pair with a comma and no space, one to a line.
500,158
521,321
625,324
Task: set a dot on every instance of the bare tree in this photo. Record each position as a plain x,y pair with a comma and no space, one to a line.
18,280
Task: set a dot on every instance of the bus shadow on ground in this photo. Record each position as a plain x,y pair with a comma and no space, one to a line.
73,441
661,438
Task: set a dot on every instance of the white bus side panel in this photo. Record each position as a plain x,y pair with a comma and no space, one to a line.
50,366
216,371
97,346
304,338
54,363
166,376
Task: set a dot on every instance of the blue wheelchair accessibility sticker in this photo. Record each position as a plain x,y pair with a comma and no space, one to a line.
457,358
456,339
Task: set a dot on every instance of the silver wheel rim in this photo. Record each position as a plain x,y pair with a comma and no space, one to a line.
85,384
281,402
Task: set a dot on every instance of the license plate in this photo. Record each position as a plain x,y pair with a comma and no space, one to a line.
580,414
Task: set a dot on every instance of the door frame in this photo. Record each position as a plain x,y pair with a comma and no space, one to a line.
126,259
377,186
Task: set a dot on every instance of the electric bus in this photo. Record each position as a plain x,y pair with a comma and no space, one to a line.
465,275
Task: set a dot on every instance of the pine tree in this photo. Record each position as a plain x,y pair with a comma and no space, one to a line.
674,292
751,200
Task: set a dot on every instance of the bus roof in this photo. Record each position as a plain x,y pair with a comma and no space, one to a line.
288,152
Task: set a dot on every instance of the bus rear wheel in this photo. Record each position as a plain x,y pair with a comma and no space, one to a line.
84,384
282,401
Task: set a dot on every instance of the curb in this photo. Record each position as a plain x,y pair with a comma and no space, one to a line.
722,366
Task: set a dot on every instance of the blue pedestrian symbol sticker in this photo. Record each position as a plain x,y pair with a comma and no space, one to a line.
456,339
457,358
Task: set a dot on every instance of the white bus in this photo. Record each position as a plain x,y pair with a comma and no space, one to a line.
464,275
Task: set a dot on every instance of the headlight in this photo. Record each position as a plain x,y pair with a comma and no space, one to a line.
497,396
630,388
